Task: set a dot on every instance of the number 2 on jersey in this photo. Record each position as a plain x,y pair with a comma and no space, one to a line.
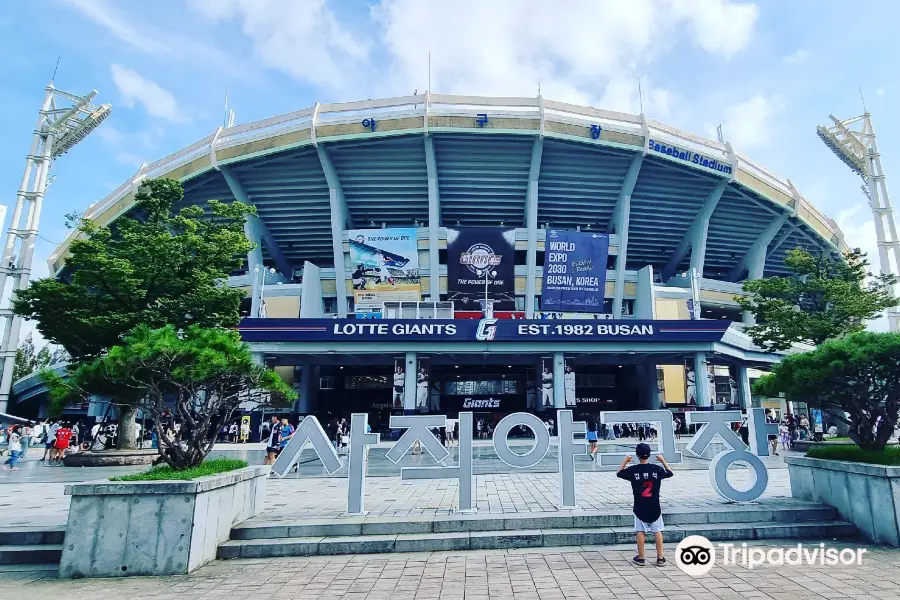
648,490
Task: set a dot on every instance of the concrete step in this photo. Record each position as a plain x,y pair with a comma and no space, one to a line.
30,554
34,536
525,538
469,523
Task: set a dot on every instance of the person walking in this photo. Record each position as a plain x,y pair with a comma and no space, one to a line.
63,437
591,435
273,444
14,439
785,436
50,440
245,431
27,433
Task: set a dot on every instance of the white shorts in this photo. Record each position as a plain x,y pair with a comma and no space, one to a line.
653,527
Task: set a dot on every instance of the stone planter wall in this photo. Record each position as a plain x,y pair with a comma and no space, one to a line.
866,495
118,529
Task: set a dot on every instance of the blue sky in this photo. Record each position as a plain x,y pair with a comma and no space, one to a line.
768,71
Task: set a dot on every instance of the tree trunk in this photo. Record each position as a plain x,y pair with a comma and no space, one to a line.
127,439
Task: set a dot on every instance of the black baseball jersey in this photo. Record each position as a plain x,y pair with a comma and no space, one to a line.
646,480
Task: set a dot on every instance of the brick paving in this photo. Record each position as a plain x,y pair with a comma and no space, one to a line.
538,574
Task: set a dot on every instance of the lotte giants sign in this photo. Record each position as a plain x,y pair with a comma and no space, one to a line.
418,429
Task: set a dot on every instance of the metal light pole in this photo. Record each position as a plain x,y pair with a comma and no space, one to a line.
262,272
853,141
63,121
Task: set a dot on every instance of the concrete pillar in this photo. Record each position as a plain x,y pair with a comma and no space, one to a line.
701,383
619,222
645,302
743,382
559,380
254,263
650,395
531,218
305,391
340,216
409,385
434,222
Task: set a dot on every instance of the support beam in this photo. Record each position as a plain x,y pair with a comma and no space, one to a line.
619,223
282,264
783,237
559,380
701,381
409,383
434,222
754,260
695,237
340,219
531,217
743,382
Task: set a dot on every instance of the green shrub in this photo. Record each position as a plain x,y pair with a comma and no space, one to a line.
888,456
163,473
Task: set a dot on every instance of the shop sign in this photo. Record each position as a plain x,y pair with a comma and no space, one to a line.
418,429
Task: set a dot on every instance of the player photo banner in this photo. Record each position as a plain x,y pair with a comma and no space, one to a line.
385,266
399,382
574,271
423,391
476,252
545,384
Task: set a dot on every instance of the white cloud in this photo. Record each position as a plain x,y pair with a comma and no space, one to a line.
880,92
105,14
157,101
303,39
749,124
859,232
796,58
131,159
718,27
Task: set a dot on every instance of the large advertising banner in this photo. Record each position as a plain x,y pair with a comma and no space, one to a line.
476,253
574,271
423,391
385,266
399,382
546,383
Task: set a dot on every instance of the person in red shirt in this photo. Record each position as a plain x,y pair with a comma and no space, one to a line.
63,436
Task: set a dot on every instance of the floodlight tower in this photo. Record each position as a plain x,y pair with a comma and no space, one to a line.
853,141
63,121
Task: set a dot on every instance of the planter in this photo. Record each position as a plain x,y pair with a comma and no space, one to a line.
118,529
807,445
866,495
111,458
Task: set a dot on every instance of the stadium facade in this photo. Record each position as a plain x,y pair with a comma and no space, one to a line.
609,247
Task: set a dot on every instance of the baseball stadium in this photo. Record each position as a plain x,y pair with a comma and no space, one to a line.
437,253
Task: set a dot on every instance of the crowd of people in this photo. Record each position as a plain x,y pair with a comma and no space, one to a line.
56,437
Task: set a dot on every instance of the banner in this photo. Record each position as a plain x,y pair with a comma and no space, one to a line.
476,253
385,266
484,330
546,383
399,382
574,271
570,384
422,386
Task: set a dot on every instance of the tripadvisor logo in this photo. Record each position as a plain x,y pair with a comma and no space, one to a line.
696,555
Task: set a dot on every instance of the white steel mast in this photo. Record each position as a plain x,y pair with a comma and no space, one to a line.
853,141
63,121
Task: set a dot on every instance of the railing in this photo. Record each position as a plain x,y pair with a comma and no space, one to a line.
423,105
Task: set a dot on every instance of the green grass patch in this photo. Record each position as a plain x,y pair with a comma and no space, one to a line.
889,456
167,473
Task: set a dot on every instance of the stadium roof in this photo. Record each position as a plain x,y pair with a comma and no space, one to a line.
483,154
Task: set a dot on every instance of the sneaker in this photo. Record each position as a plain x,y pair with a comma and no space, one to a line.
4,467
661,561
637,560
14,469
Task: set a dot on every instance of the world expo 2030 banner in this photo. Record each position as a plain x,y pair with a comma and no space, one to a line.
476,253
574,271
385,266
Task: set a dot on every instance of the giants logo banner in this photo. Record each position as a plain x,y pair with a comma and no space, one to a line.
481,261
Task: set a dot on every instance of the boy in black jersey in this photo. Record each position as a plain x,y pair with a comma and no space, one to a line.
646,480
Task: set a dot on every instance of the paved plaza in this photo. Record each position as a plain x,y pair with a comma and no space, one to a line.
535,574
35,494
